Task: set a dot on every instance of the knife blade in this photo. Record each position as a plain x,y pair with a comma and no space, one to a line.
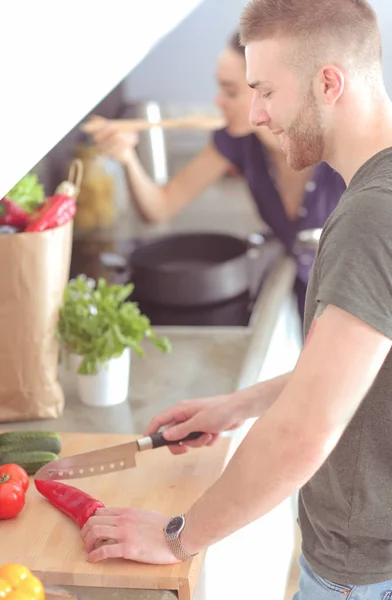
106,460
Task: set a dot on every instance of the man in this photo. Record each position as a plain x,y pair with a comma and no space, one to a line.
326,428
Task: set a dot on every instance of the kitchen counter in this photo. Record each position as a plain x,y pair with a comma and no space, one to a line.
159,380
204,361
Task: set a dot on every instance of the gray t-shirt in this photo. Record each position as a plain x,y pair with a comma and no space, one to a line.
345,510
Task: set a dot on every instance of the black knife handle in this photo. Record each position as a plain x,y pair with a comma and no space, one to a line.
158,440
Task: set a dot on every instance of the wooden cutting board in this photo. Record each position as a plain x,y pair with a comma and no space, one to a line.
49,543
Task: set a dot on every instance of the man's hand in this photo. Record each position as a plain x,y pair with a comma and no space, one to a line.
211,415
135,535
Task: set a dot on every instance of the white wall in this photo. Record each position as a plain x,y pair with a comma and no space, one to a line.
181,69
383,9
59,59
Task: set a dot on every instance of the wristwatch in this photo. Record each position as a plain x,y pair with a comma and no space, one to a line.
172,532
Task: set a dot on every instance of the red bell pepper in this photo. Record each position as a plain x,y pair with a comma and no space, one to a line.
56,211
70,500
12,214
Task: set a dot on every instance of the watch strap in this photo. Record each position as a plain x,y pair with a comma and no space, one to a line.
175,543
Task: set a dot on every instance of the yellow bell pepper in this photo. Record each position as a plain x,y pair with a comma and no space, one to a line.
18,583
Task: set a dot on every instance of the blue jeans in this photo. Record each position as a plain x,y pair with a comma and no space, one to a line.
313,587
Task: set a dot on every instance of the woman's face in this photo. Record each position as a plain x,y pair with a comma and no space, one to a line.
234,98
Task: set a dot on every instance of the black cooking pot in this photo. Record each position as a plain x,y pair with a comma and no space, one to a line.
192,269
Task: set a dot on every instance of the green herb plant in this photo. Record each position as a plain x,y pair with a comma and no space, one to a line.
28,193
97,323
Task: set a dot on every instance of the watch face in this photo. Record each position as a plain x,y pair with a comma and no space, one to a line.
175,525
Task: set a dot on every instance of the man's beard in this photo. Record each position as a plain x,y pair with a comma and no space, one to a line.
305,136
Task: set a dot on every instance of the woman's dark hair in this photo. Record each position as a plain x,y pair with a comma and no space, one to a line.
235,44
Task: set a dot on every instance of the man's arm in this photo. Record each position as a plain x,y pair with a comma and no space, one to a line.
280,454
216,414
260,397
284,449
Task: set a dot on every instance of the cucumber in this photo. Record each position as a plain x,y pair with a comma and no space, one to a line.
29,461
41,445
47,441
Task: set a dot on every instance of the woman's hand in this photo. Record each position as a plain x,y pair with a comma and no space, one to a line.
110,139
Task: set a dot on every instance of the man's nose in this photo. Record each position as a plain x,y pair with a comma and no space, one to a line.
258,115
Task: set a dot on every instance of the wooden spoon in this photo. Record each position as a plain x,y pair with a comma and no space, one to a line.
204,122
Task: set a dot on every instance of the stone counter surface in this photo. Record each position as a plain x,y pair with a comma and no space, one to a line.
202,363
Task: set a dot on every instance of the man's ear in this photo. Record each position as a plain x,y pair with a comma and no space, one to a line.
331,84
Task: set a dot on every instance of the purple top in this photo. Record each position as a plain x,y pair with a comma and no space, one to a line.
322,193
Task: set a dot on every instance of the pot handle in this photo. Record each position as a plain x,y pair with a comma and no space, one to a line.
114,262
255,240
117,266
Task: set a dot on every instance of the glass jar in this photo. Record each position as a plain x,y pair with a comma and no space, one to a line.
96,201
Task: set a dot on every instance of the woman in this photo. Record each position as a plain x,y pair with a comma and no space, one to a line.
287,201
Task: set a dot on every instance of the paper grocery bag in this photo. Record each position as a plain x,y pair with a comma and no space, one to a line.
34,270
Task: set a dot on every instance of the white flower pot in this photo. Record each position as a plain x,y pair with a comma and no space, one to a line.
109,386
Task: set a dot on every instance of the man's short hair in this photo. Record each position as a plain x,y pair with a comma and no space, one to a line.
342,32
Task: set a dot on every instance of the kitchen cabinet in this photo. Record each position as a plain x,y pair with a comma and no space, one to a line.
60,59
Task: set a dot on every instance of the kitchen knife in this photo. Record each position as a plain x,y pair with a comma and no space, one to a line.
106,460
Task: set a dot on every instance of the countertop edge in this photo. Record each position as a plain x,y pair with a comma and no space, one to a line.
277,287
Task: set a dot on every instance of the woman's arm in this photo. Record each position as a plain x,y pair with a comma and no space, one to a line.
157,203
160,203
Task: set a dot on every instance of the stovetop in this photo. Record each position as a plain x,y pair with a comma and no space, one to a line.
236,312
107,259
